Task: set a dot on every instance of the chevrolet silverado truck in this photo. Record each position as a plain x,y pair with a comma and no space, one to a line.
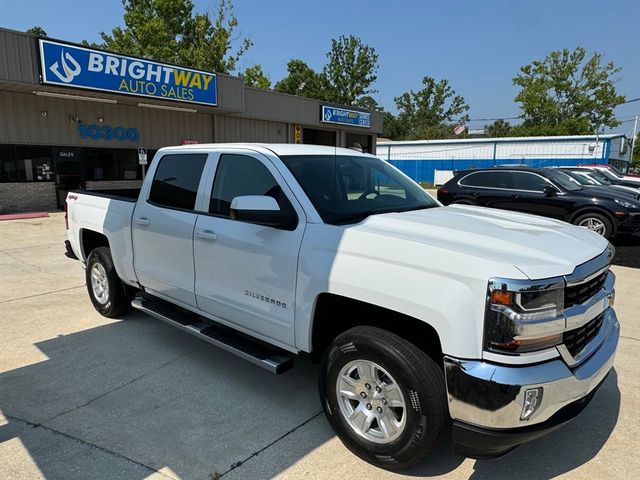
420,315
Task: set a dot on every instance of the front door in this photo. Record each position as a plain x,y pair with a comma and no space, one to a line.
246,273
528,188
68,172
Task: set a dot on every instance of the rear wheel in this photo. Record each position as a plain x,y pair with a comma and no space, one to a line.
383,396
109,295
595,222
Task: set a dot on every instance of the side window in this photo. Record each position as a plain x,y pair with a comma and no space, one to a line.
527,181
486,179
239,175
175,184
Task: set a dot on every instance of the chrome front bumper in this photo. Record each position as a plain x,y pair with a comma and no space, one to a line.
491,396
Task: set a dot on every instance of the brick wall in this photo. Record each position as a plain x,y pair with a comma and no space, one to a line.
27,197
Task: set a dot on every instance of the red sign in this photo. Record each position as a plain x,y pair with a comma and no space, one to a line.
188,141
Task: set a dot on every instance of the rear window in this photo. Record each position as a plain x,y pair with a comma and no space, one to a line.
175,184
497,179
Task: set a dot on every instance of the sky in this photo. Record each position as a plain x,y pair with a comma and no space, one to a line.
479,46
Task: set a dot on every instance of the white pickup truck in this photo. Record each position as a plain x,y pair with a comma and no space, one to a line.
418,313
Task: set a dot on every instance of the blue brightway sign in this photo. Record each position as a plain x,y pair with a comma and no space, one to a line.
342,116
81,67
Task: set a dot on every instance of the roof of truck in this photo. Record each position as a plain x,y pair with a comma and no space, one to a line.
277,148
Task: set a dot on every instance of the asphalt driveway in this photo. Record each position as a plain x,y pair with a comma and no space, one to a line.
82,396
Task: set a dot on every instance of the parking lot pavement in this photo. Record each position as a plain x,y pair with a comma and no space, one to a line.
82,396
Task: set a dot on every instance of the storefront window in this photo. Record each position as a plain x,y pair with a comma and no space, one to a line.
25,164
8,171
128,165
101,164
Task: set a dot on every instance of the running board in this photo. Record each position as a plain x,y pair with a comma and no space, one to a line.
270,358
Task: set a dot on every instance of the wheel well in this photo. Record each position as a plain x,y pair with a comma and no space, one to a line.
335,314
90,240
600,211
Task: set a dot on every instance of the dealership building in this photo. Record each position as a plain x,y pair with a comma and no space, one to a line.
75,117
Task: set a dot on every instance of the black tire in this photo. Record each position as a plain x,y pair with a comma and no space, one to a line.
419,378
462,202
608,225
118,299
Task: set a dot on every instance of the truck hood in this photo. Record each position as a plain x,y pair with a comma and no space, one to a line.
539,247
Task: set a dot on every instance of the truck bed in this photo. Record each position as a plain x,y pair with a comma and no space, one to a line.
125,194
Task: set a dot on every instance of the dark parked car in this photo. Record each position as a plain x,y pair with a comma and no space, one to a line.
546,192
604,177
586,178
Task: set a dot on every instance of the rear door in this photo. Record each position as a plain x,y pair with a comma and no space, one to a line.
246,273
489,189
163,226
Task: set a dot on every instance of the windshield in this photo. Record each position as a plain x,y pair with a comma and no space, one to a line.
598,176
607,173
347,189
564,180
581,178
616,171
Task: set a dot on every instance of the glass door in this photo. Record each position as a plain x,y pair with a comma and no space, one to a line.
68,172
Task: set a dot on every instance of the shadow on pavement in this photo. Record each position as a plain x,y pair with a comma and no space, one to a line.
565,449
143,392
559,452
161,399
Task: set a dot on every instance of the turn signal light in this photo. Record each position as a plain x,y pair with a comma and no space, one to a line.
525,345
501,297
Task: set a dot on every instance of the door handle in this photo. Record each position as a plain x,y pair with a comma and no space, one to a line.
145,222
206,235
515,197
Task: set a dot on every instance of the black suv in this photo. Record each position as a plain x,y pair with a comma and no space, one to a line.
546,192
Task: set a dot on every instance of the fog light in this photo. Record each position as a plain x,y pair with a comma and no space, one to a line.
532,400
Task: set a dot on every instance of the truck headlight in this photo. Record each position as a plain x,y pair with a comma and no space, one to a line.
523,319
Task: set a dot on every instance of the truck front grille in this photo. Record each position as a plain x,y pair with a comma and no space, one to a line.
575,340
578,294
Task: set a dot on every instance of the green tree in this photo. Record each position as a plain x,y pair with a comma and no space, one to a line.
38,31
429,112
170,31
369,103
302,80
350,70
567,93
392,128
255,77
499,128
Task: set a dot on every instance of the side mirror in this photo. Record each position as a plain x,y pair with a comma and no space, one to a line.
262,210
549,191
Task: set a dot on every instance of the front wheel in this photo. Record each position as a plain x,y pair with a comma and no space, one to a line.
109,295
595,222
383,396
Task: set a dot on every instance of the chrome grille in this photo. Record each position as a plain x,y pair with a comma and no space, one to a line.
578,294
575,340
